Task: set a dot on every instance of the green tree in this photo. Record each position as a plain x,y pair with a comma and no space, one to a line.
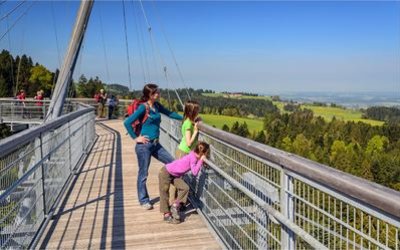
376,145
88,88
302,146
81,86
386,171
225,128
6,77
260,137
24,65
243,130
235,128
41,78
343,156
287,144
4,131
275,131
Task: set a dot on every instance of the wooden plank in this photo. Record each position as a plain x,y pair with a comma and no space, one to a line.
102,210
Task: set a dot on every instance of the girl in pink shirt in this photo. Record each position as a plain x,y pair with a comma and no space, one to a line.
172,174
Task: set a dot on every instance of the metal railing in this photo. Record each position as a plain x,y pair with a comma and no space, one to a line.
255,196
28,111
36,166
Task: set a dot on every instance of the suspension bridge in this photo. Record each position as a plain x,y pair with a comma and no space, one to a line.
68,182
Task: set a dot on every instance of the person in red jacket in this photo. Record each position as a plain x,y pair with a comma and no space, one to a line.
21,96
39,97
39,102
21,101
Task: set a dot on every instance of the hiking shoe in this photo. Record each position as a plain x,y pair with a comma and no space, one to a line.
184,208
175,211
171,220
147,206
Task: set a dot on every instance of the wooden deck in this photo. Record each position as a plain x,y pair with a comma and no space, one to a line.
101,209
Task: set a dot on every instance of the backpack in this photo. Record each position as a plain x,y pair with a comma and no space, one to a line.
97,97
137,125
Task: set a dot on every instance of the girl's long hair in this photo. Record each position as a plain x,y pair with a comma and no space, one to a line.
148,90
191,110
202,148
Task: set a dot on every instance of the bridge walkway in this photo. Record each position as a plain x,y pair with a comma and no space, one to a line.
101,209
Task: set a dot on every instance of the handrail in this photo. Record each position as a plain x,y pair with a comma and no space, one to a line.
272,212
8,144
386,199
37,165
256,196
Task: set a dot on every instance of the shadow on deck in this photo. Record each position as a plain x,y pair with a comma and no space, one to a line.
101,209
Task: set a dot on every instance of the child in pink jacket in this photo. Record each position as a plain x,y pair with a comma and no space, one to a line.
172,173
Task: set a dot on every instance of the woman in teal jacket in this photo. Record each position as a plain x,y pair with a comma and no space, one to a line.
147,143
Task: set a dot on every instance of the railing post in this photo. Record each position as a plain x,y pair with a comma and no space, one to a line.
287,209
43,174
171,142
69,147
84,139
44,111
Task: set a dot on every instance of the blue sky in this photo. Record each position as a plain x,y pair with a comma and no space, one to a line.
262,46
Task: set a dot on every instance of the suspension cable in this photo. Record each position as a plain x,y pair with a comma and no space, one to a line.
11,11
153,42
104,44
20,60
166,78
170,49
55,34
17,81
176,92
140,42
58,48
127,46
16,21
142,37
11,59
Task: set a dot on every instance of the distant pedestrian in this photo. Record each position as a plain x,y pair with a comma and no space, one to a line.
39,98
21,102
39,103
112,102
21,96
101,99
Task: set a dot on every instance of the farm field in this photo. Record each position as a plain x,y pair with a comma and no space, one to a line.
219,120
344,114
326,112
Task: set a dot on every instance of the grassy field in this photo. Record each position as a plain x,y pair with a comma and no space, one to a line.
235,97
326,112
219,120
344,114
329,112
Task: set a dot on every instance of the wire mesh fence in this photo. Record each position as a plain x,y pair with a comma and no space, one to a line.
29,111
254,197
35,165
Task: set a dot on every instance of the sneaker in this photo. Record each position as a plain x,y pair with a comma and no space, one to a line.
175,211
183,208
147,206
169,219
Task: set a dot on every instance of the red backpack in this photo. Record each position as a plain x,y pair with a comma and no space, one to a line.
137,125
97,97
